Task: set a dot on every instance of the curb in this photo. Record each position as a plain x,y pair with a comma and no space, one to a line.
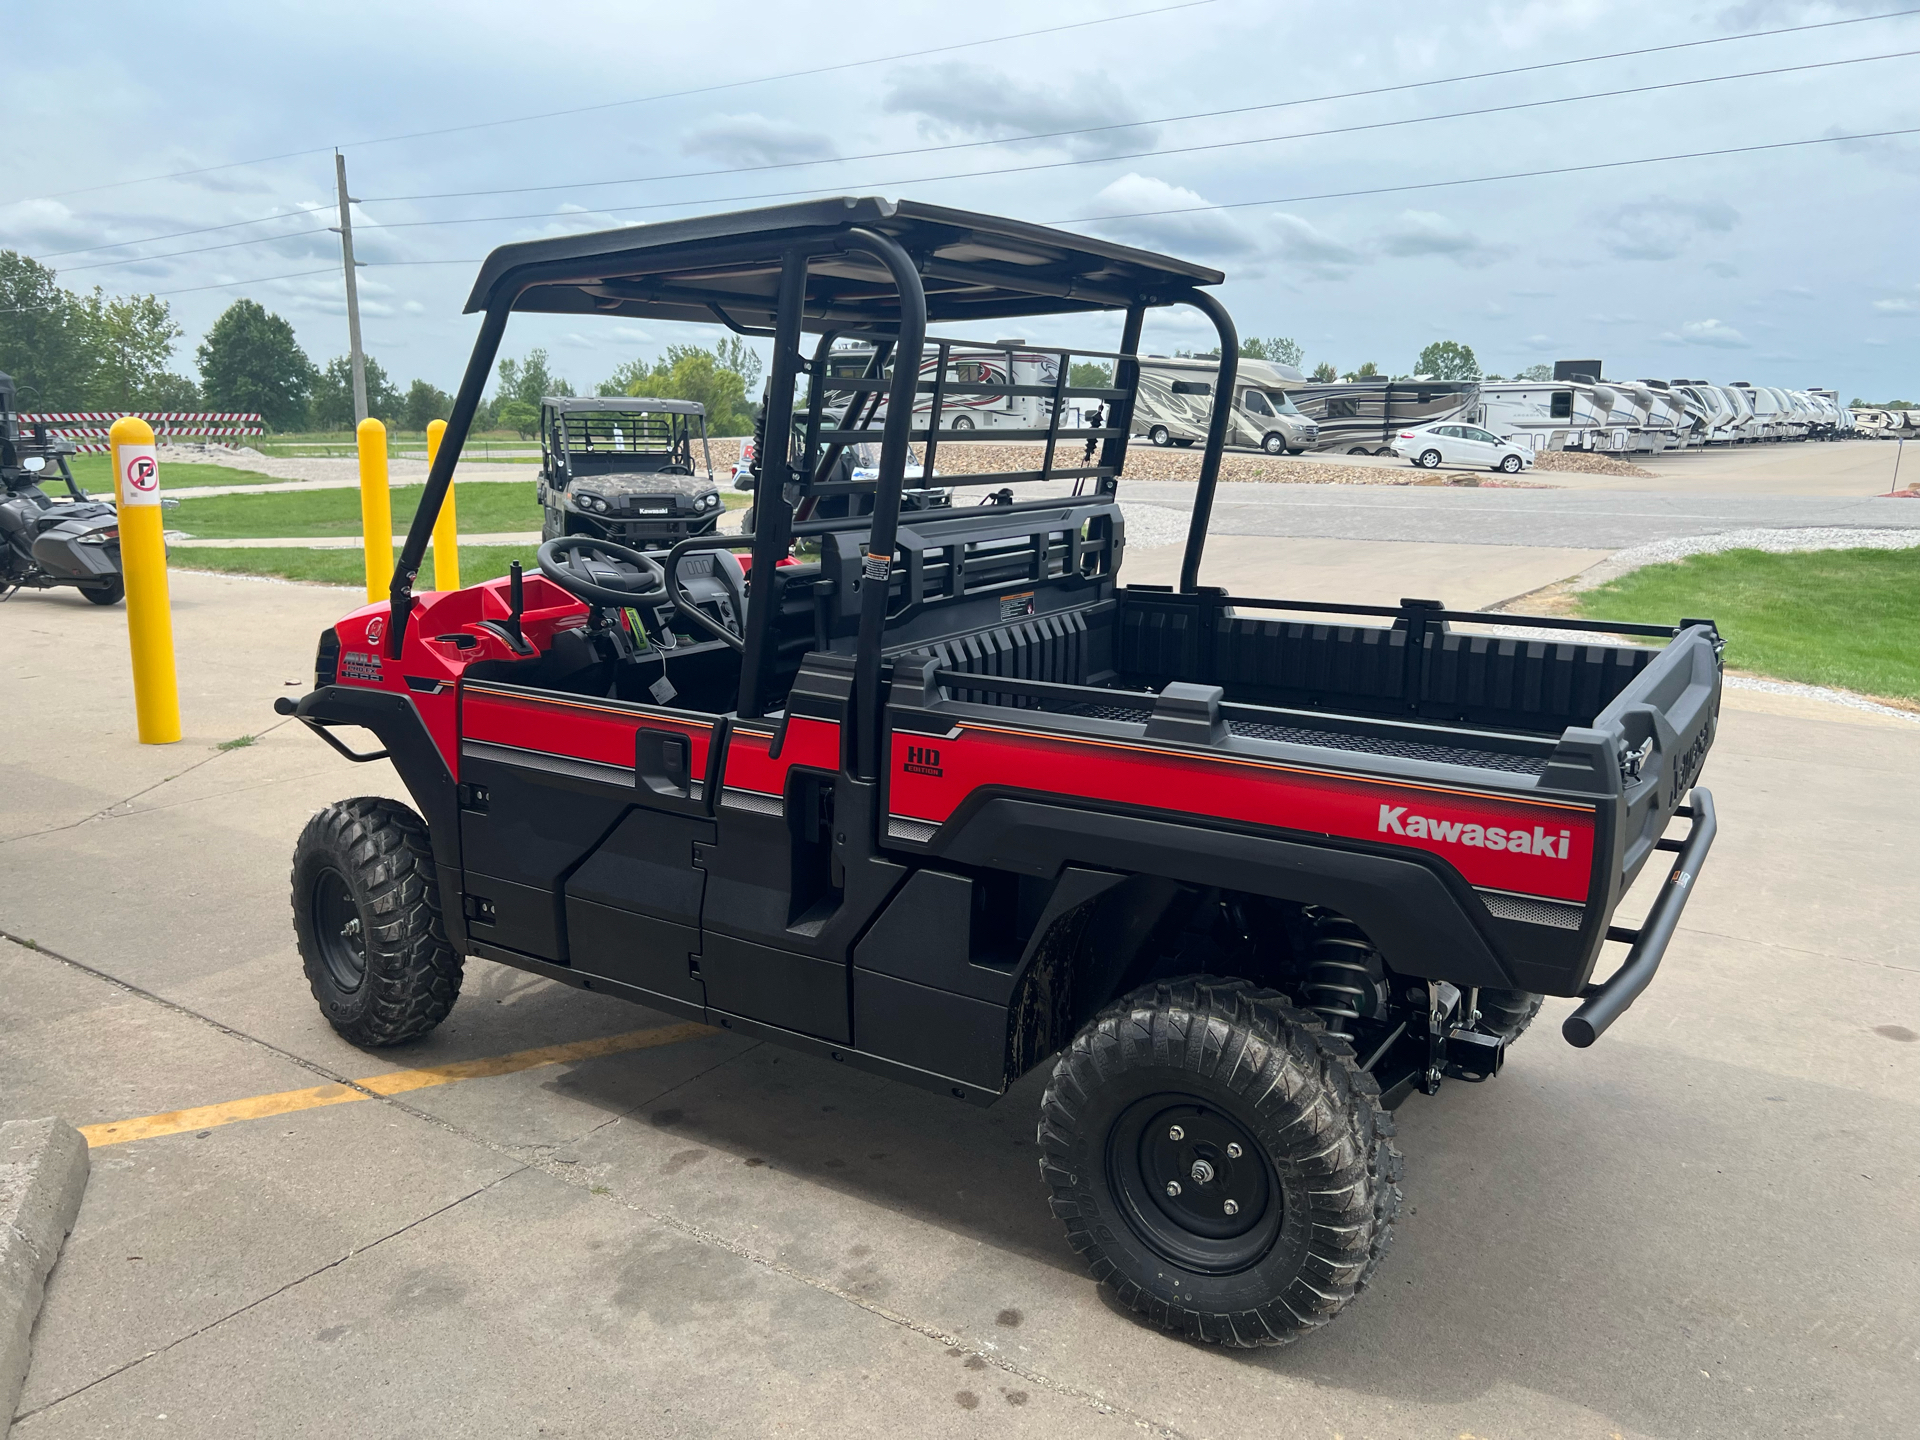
43,1173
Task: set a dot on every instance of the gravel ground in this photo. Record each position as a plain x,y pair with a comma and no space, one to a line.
1580,463
1777,542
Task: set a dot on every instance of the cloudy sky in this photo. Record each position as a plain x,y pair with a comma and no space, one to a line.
1791,266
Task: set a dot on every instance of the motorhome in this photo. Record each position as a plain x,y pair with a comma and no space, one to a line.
1689,417
1362,417
1541,414
1768,416
1174,404
975,393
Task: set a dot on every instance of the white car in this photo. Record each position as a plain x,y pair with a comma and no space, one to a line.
1431,446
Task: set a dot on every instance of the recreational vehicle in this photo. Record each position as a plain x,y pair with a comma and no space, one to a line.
1175,403
1362,417
1540,414
974,395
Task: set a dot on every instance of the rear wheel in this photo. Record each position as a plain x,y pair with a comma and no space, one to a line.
366,917
1160,435
1223,1166
1429,460
962,422
1358,450
111,593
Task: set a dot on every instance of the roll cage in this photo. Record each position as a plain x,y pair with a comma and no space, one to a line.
876,271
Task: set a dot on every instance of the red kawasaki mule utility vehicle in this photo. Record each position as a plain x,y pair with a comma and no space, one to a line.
940,797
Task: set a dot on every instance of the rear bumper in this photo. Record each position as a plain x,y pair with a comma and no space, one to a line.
1605,1003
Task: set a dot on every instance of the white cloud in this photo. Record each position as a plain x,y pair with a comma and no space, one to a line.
1716,334
1146,210
1416,233
1897,307
1660,228
964,101
753,139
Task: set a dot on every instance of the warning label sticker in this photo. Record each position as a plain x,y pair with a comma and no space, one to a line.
139,475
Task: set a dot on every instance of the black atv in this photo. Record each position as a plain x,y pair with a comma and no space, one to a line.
46,542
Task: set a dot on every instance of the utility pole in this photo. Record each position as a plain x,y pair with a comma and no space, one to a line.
345,232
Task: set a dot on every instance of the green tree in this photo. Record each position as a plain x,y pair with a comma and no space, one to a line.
424,404
250,361
1090,375
733,353
687,372
1536,372
46,340
332,404
518,416
169,391
1281,350
1367,371
131,339
1325,373
528,380
1447,360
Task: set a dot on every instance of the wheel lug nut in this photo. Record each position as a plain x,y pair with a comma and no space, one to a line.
1234,1152
1176,1133
1173,1188
1232,1207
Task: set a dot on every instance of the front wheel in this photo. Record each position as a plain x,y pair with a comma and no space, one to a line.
1511,464
1274,444
1160,435
962,422
1429,460
1221,1164
366,918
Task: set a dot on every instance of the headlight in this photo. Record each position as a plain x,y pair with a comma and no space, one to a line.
709,501
585,501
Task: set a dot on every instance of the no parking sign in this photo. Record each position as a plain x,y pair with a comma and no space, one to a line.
138,475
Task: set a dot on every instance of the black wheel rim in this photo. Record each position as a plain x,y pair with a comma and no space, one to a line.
339,931
1194,1184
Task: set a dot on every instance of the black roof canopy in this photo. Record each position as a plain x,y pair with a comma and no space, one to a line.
727,268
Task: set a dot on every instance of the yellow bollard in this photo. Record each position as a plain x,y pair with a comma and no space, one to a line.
376,508
446,539
143,561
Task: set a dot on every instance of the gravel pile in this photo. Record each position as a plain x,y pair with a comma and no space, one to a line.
1580,462
1776,542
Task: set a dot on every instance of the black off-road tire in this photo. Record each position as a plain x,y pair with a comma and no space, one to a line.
366,915
111,593
1222,1059
1509,1012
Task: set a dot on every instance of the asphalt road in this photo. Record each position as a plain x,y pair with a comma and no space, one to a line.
1703,1226
1572,518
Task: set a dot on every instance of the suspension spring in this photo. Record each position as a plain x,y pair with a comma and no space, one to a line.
1341,972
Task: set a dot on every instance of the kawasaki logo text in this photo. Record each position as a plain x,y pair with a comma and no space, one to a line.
1394,820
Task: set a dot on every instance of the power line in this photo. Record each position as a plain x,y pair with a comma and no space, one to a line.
1009,139
1487,179
1250,204
637,100
1063,164
1139,124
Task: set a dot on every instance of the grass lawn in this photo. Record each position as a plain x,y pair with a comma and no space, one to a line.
1848,618
490,509
344,567
95,474
481,509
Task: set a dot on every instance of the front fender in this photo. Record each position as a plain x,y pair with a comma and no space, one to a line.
422,769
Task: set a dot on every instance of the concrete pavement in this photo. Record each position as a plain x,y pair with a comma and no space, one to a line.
1703,1226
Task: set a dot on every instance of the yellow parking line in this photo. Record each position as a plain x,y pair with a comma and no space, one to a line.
395,1082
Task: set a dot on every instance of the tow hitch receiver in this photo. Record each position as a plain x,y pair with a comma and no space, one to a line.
1474,1054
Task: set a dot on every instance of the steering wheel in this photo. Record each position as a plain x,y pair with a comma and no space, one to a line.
601,572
